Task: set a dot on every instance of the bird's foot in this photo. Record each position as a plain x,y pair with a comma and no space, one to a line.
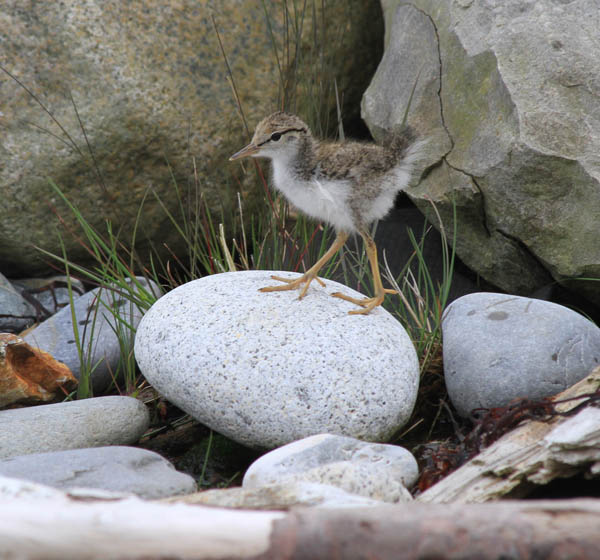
293,283
366,303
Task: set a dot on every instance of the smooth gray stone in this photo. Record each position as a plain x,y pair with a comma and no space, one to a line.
265,369
498,347
113,420
97,328
373,470
116,468
16,314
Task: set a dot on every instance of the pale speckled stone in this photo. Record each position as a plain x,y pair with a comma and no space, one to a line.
266,369
114,468
499,347
113,420
377,471
279,496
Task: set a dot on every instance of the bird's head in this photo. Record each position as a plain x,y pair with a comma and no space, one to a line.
278,136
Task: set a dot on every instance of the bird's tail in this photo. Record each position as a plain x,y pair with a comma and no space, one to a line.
408,151
403,142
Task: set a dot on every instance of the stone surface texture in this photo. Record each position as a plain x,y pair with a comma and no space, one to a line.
143,96
377,471
16,313
98,327
93,422
115,468
28,374
279,496
508,92
266,369
499,347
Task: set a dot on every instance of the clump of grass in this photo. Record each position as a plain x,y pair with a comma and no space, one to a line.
117,273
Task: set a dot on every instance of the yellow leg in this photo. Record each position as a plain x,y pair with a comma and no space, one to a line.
311,273
369,303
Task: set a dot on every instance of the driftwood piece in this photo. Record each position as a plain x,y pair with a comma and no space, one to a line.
534,453
38,523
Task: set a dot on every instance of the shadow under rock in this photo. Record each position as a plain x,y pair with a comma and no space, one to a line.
213,460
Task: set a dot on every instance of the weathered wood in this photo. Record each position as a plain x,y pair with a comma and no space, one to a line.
507,529
41,523
50,525
533,453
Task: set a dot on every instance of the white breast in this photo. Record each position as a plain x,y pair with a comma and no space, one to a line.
325,200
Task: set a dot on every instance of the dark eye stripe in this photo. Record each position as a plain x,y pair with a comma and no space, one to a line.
282,132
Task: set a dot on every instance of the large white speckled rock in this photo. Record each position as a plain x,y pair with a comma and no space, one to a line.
266,369
377,471
499,347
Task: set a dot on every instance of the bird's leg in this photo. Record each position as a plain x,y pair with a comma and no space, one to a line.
311,273
369,303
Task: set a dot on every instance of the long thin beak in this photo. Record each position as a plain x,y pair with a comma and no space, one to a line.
245,152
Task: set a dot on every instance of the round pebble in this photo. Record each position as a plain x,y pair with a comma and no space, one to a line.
499,347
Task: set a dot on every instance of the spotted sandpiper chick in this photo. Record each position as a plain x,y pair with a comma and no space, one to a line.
347,184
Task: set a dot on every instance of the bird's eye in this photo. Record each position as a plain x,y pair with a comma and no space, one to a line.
275,136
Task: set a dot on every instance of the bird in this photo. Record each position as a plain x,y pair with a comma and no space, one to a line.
348,184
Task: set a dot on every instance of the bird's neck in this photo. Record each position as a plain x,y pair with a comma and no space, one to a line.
299,164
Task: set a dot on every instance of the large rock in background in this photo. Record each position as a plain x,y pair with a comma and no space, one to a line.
509,94
151,89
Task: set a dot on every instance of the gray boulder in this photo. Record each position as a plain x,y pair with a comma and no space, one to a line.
115,468
265,369
499,347
508,92
149,84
